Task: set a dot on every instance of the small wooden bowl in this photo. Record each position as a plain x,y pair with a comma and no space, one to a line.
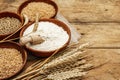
14,15
19,48
47,53
23,5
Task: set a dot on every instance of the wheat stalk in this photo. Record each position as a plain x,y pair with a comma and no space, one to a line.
59,63
34,71
63,61
66,75
69,59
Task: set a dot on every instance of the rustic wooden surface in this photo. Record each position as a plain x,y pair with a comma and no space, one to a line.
98,22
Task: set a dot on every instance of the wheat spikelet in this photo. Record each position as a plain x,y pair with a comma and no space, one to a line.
66,75
58,64
63,61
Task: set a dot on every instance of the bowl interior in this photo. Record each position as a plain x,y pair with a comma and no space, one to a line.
59,23
23,5
19,48
11,14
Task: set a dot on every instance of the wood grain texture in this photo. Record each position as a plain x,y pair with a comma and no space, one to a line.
100,34
107,64
90,10
99,23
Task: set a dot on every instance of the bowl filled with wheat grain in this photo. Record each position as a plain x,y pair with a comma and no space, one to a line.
9,23
45,9
12,59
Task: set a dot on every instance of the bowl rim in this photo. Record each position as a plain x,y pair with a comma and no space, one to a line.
48,20
24,4
24,61
20,19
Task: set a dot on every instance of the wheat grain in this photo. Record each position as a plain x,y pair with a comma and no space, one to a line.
10,61
9,25
45,10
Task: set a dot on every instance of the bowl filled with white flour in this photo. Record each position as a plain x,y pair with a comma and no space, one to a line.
56,35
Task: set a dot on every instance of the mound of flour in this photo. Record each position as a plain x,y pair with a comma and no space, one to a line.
54,36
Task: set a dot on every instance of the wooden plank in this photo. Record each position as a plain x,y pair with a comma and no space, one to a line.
90,10
106,64
100,34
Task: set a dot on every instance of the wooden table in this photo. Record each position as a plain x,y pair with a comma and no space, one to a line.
99,23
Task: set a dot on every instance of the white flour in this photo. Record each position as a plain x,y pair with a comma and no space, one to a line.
54,36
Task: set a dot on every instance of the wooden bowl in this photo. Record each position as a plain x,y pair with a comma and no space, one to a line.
47,53
19,48
23,5
14,15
